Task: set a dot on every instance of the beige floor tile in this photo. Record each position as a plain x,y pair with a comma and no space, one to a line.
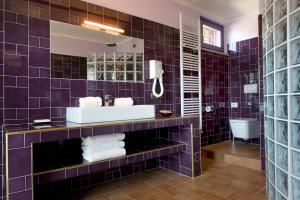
220,181
225,190
210,196
241,194
145,193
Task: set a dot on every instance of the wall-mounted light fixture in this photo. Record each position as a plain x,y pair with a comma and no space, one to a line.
106,28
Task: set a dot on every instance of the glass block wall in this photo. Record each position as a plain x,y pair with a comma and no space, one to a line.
281,28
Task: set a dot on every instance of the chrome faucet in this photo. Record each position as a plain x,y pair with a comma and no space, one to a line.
108,100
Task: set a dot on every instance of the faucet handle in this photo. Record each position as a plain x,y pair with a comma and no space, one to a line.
108,100
108,97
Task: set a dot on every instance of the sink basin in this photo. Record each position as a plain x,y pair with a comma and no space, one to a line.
109,114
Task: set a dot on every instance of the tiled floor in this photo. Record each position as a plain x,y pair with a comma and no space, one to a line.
238,153
220,181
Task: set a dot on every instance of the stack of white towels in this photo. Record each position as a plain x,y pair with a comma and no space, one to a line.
103,147
127,101
90,102
94,102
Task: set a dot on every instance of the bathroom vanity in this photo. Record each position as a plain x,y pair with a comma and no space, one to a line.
174,143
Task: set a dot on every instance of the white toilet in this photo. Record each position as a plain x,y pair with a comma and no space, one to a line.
244,128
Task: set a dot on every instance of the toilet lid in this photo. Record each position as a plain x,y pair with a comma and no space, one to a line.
243,120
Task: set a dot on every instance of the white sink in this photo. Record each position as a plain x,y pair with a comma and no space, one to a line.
109,114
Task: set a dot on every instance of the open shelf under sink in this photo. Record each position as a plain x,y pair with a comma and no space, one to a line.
66,154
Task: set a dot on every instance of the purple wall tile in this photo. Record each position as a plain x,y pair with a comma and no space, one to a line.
24,195
19,36
39,57
74,133
32,138
39,87
15,65
215,92
83,170
99,167
54,136
71,173
59,11
78,88
20,6
18,156
54,177
60,97
16,97
17,184
16,141
39,27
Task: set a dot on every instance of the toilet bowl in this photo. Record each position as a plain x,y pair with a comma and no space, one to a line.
244,128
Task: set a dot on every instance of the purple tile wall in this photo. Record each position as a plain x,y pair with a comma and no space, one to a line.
186,159
63,189
242,63
29,92
27,59
215,92
182,162
2,156
223,78
39,69
16,87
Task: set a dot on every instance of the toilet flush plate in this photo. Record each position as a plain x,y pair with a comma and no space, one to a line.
234,104
250,88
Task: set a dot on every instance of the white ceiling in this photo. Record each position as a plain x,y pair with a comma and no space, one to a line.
223,11
81,33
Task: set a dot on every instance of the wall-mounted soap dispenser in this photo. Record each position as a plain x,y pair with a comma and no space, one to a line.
156,73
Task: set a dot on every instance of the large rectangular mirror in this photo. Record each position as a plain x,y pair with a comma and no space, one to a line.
80,52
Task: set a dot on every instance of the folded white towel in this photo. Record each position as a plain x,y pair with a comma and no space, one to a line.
123,101
94,148
90,102
103,155
98,140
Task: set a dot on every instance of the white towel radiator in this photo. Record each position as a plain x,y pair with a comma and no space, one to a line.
190,66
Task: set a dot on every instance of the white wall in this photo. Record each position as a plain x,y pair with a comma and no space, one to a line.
132,45
161,11
75,47
167,11
241,29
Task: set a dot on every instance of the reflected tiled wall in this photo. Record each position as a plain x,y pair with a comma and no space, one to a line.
215,92
68,67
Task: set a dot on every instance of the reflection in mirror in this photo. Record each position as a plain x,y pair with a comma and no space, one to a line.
81,52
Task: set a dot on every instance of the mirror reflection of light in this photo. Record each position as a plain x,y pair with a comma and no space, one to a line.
97,26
